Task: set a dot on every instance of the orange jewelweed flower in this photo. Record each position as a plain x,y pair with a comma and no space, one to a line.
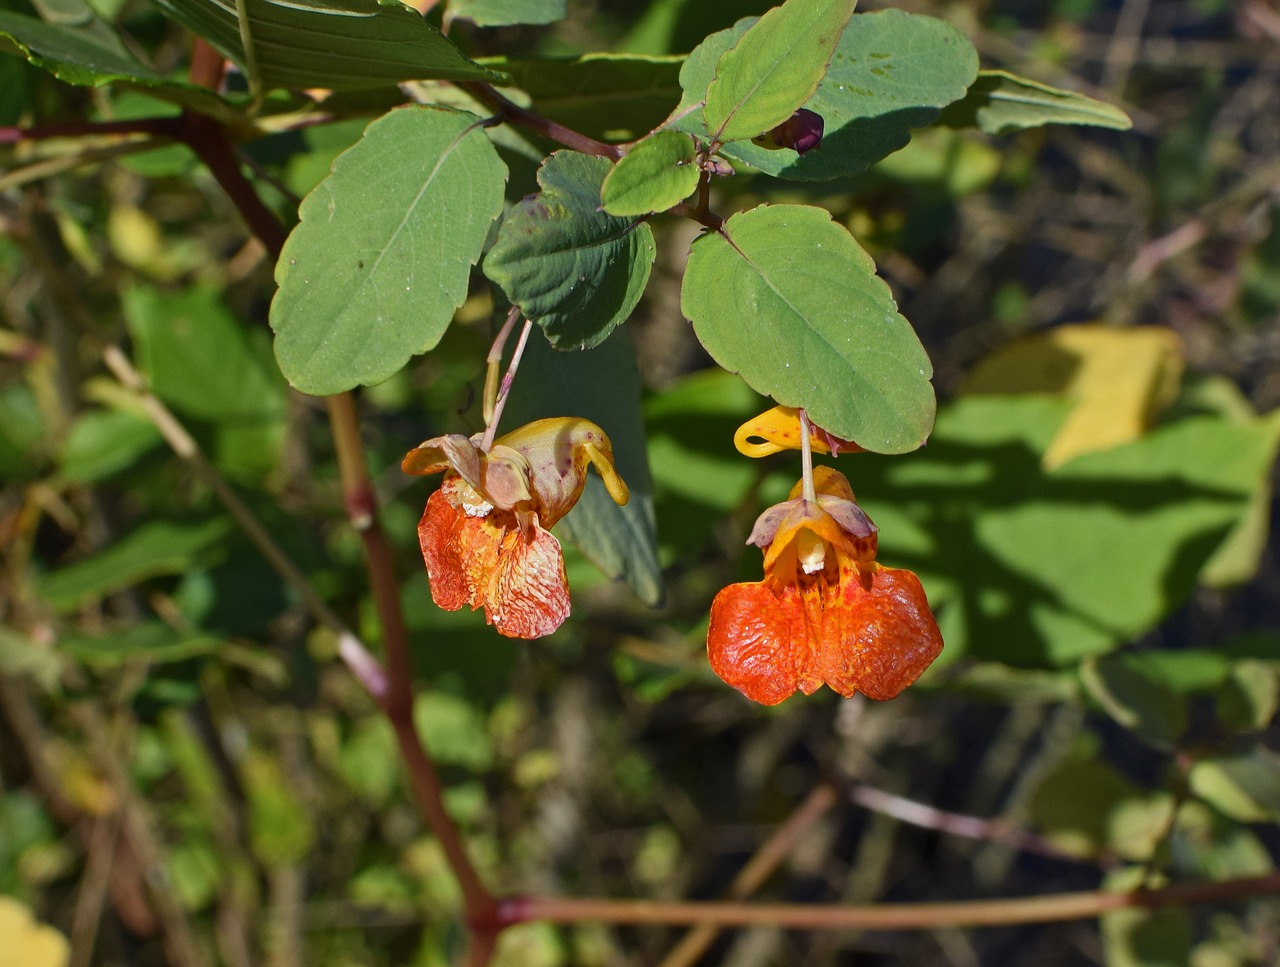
485,533
825,612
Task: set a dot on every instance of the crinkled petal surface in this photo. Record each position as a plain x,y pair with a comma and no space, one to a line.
769,639
487,562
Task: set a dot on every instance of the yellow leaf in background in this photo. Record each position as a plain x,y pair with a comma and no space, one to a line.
1119,380
26,943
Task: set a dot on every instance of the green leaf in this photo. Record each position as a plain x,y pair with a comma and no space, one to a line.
1245,787
602,385
19,655
383,253
199,358
342,45
571,268
1037,568
501,13
281,830
785,297
774,68
611,96
999,102
153,641
658,172
151,550
1250,696
1139,703
891,72
1146,938
453,730
103,442
88,54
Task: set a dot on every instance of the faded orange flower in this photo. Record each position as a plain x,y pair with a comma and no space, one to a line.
826,612
485,533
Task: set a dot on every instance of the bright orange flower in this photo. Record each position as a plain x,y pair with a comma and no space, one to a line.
825,612
485,536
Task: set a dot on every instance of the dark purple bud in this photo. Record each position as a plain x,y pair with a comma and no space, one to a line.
801,132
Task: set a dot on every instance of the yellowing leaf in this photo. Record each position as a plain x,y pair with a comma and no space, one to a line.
1118,379
26,942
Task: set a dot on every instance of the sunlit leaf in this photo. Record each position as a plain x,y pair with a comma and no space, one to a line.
383,254
657,173
1245,787
999,102
891,72
786,298
773,68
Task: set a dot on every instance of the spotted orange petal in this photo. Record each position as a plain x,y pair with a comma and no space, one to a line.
488,562
878,639
769,639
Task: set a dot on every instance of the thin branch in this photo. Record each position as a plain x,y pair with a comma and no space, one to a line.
698,214
508,110
898,916
758,869
167,127
954,824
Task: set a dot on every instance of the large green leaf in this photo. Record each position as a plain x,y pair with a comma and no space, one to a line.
382,256
1041,568
891,72
999,102
773,68
335,44
612,96
657,173
153,549
500,13
602,385
570,267
786,297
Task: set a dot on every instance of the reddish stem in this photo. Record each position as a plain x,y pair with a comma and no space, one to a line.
896,916
508,110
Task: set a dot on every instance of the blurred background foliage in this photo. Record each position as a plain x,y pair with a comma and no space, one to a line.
1091,518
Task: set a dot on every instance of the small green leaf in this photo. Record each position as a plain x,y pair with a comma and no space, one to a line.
786,297
103,442
383,254
178,335
502,13
281,830
453,730
1146,938
90,54
999,102
571,268
1249,697
611,96
153,641
774,68
891,72
153,549
602,385
342,45
1137,702
1245,787
658,172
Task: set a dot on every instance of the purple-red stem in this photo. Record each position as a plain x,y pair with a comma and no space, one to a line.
511,111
